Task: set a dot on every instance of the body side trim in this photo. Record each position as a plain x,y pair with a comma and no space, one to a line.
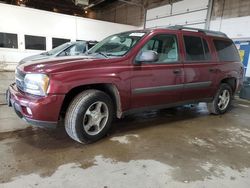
195,85
157,89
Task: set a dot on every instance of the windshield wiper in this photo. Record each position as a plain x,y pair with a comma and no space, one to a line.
113,55
106,55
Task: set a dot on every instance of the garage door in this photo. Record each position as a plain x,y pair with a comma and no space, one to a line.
191,13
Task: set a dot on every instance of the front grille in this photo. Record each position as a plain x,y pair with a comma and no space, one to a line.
20,79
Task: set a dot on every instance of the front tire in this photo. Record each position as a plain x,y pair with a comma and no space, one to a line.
89,116
222,100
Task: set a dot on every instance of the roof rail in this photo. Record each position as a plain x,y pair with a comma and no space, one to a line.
205,31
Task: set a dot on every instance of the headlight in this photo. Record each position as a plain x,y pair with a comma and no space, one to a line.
36,84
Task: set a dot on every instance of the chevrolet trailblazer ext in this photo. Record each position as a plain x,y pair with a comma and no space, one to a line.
125,73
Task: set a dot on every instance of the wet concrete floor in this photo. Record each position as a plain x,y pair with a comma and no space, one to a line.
6,78
180,147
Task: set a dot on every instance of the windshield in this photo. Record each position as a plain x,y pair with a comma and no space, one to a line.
117,45
59,48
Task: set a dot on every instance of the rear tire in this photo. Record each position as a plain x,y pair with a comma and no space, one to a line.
222,100
89,116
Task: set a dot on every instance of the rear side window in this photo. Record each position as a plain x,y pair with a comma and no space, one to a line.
226,50
196,49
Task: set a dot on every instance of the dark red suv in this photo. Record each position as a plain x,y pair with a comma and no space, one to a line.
126,73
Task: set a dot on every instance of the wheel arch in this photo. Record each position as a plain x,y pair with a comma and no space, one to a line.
108,88
231,81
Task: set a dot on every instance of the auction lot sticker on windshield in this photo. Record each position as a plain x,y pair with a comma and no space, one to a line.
137,34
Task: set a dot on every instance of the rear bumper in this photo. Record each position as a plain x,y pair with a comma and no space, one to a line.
38,111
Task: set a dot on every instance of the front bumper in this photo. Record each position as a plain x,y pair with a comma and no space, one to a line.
38,111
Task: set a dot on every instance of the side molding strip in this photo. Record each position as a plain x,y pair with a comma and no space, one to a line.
196,85
157,89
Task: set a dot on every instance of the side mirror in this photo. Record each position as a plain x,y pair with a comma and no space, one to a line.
147,56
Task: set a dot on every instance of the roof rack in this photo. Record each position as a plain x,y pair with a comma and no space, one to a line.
205,31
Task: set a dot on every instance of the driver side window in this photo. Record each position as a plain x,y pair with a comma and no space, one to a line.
166,47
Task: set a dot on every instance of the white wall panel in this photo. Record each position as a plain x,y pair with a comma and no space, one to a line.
182,19
35,22
88,29
186,12
189,5
158,12
198,26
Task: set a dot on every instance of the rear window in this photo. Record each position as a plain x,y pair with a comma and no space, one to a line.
226,50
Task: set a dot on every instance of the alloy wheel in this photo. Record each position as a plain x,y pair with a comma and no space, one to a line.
224,99
95,118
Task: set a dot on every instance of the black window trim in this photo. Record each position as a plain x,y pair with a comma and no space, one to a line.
209,48
69,40
6,48
170,62
196,61
26,49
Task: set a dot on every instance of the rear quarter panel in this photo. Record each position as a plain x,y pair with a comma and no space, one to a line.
231,70
227,69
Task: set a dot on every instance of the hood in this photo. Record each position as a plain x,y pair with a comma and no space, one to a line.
35,58
61,64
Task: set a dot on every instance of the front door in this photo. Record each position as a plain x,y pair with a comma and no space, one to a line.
159,82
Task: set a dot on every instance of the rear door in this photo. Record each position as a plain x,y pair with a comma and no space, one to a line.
200,67
160,82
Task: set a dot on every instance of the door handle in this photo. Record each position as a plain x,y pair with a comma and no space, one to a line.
177,71
213,70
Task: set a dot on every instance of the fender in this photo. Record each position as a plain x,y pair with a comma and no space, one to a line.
113,79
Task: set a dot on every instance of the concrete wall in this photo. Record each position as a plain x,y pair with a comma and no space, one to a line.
124,13
230,9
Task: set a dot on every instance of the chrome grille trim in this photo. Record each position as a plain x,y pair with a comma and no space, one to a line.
19,77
